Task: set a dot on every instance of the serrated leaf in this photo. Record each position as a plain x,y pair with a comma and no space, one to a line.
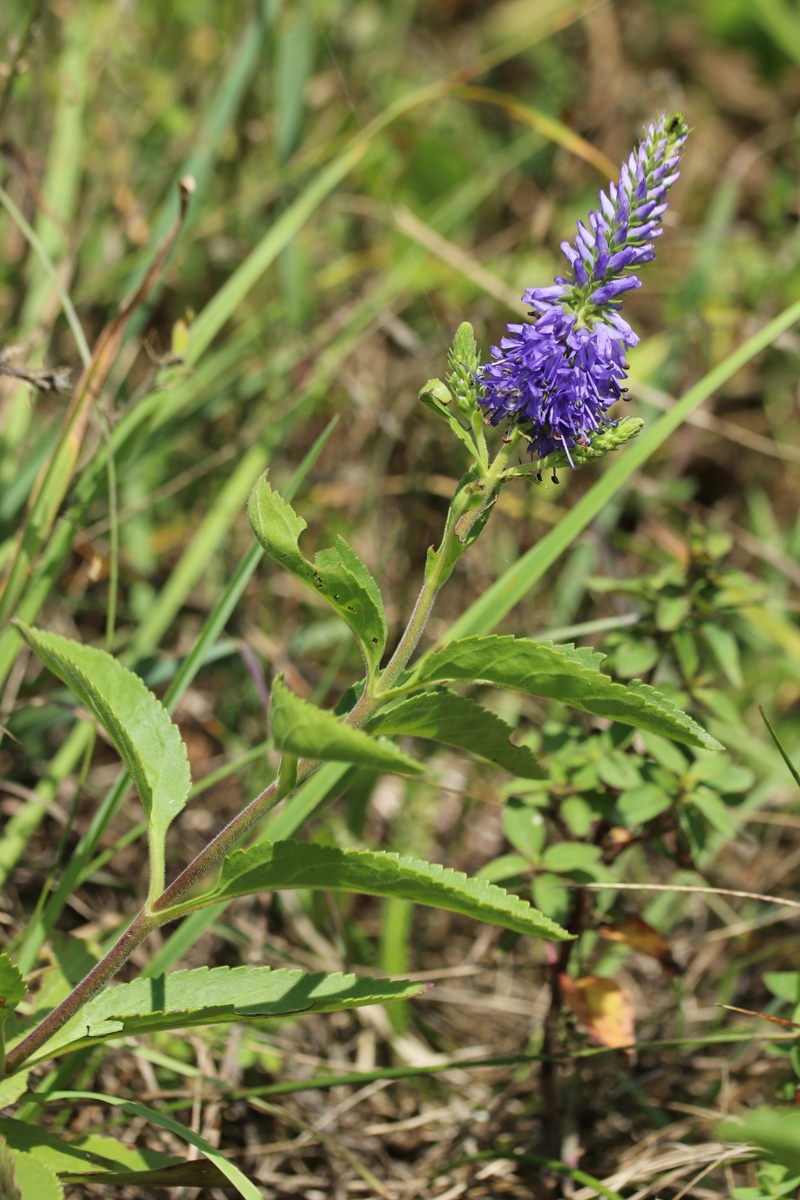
560,673
271,866
12,987
147,740
211,996
301,729
337,574
88,1154
456,721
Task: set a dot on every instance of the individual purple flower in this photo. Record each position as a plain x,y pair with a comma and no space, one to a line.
557,376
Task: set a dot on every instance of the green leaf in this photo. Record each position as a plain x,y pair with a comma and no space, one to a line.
714,810
642,803
212,996
87,1155
300,729
12,1087
271,866
153,1116
725,649
783,984
8,1185
775,1131
25,1177
524,826
561,673
672,609
12,988
620,770
337,574
507,866
148,742
446,717
633,656
569,856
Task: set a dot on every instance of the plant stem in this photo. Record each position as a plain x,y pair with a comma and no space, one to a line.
106,969
470,503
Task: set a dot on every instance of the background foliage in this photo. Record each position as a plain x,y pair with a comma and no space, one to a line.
367,177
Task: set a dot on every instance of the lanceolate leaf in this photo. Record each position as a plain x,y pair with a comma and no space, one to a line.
561,673
337,574
270,866
300,729
148,742
213,996
446,717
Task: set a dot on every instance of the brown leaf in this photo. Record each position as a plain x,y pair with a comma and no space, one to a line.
641,937
602,1008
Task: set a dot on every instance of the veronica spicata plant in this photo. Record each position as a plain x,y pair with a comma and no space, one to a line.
553,382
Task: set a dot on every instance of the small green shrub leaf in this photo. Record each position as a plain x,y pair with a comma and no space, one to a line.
210,996
642,803
271,866
337,574
456,721
560,673
569,856
300,729
147,740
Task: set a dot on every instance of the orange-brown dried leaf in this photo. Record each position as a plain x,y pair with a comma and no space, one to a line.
639,936
602,1007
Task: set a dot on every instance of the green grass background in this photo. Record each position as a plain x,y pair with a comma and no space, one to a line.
367,176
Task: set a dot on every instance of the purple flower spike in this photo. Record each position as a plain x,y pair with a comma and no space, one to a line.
557,376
